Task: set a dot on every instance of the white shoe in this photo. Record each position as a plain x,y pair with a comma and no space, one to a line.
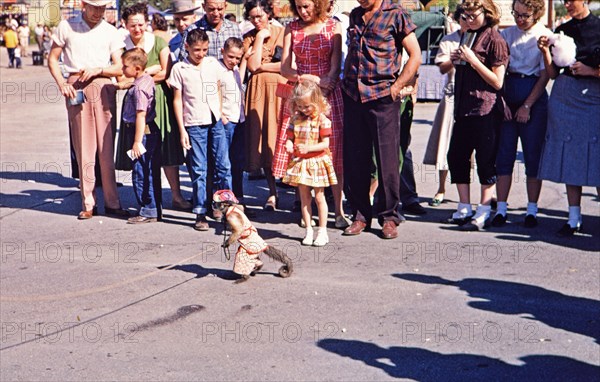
341,222
308,239
322,238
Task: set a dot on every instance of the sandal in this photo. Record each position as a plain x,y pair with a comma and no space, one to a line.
272,203
437,200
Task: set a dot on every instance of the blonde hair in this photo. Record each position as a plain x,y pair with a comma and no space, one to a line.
304,88
492,13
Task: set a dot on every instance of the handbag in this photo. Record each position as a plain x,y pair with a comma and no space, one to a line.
277,54
284,91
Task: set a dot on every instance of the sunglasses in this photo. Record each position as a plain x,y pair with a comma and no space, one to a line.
522,16
467,17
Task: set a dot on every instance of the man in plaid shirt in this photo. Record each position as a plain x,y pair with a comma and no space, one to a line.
373,87
216,26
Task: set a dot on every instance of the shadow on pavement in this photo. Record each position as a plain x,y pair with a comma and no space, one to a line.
428,366
574,314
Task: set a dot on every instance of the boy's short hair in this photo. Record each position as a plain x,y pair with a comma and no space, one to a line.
135,56
233,42
196,35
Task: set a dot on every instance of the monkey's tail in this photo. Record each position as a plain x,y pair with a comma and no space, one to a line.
275,254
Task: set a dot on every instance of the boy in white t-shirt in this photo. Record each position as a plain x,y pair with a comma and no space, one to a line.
233,110
197,105
18,57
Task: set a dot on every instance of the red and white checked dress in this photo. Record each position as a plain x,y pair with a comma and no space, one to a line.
313,169
313,56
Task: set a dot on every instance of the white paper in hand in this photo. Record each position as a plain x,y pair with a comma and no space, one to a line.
130,152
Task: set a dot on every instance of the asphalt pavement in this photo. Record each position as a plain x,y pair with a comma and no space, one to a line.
101,300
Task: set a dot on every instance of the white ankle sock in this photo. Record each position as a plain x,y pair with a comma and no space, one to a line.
532,209
574,216
501,208
463,210
482,214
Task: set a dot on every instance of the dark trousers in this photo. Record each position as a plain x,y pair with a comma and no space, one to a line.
11,57
235,139
408,186
479,133
146,176
369,125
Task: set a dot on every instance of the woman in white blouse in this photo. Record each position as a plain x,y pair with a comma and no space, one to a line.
525,94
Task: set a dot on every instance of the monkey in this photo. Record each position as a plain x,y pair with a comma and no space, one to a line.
247,261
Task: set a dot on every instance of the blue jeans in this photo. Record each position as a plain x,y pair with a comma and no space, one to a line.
146,174
532,133
198,163
235,141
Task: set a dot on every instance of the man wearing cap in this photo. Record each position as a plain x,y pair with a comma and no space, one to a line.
91,50
216,26
184,15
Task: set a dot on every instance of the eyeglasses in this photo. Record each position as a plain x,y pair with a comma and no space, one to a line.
467,17
522,16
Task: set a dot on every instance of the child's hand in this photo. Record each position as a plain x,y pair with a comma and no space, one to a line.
136,150
302,148
289,147
224,119
185,140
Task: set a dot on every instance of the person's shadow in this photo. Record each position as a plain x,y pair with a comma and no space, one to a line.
575,314
428,366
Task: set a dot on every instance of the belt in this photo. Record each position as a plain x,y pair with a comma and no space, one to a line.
521,75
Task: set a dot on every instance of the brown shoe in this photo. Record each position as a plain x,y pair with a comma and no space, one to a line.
141,219
84,215
390,230
201,223
355,228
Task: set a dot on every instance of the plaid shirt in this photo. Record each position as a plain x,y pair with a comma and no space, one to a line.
216,40
375,51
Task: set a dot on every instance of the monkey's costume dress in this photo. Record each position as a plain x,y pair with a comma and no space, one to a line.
251,245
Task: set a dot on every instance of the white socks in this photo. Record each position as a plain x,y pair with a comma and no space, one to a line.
482,214
501,208
463,211
532,209
574,216
322,238
308,237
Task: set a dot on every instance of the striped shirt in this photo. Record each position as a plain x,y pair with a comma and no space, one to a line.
375,49
216,39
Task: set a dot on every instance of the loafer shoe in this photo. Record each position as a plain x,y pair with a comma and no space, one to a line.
530,221
389,230
567,230
499,220
84,215
141,219
116,212
414,208
201,223
355,228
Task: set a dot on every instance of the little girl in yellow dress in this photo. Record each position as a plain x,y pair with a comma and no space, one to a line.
310,166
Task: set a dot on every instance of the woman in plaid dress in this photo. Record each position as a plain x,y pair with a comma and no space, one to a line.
310,166
315,41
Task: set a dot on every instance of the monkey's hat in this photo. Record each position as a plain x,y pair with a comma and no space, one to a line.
225,196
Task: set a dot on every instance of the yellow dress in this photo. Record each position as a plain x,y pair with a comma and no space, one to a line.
314,169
